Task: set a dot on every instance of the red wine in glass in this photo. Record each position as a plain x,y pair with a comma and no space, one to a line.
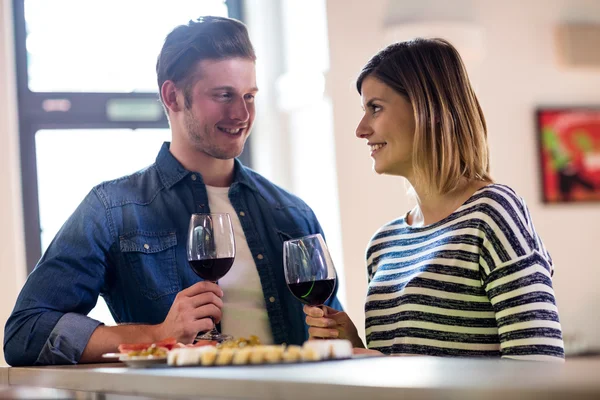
313,293
309,271
212,269
210,253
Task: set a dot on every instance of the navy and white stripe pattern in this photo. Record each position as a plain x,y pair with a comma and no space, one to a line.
477,283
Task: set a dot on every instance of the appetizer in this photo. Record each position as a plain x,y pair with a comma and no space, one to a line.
253,354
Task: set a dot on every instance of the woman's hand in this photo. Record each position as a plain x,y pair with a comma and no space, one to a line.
358,350
327,323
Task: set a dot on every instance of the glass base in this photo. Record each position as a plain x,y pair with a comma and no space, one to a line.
214,336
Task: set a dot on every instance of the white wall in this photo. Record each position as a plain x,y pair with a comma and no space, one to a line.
366,200
12,251
517,73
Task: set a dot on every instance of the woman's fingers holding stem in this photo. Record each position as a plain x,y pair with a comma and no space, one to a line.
320,322
323,333
315,312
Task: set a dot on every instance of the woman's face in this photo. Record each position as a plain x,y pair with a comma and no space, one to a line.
388,125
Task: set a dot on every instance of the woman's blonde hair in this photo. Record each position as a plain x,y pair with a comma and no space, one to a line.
451,136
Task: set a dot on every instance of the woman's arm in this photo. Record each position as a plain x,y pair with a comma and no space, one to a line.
517,275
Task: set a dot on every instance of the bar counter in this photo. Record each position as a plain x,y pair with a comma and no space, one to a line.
366,378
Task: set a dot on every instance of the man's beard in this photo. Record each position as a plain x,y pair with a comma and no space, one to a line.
200,137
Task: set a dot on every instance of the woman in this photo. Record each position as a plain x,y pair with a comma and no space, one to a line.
463,273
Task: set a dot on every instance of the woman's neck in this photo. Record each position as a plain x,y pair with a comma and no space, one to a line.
433,207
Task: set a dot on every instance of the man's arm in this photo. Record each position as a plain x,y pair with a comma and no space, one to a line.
106,339
190,313
193,311
49,324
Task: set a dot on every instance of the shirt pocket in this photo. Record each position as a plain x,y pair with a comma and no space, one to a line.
151,257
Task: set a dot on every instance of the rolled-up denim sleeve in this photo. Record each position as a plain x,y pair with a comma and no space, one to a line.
49,324
67,340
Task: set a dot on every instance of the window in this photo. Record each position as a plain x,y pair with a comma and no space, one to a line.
72,161
102,46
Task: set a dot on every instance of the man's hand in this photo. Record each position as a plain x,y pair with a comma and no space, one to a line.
191,312
327,323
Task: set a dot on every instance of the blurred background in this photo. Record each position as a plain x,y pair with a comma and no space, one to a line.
78,105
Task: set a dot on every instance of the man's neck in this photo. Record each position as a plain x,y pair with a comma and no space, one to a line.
215,172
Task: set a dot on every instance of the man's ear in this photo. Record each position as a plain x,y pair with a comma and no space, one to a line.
169,92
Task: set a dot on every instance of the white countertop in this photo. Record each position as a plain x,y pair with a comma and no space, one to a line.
381,378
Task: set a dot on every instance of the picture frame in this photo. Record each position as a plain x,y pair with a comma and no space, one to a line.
569,153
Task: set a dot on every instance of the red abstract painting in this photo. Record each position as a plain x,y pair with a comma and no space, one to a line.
569,141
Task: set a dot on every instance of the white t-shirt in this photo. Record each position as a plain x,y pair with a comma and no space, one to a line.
244,309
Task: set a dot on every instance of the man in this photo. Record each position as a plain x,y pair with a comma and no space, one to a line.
127,239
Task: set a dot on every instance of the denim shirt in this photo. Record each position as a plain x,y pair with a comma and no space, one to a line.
127,242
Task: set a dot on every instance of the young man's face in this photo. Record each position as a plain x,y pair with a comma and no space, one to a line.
221,113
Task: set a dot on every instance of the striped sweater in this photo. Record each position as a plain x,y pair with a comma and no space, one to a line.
477,283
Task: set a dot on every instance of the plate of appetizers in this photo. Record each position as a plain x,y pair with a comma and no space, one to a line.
311,351
151,355
231,353
148,354
138,361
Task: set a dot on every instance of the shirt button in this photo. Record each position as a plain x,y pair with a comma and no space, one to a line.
260,256
242,213
272,299
193,177
146,246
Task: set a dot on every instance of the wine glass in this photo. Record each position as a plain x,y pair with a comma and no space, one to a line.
309,270
210,253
